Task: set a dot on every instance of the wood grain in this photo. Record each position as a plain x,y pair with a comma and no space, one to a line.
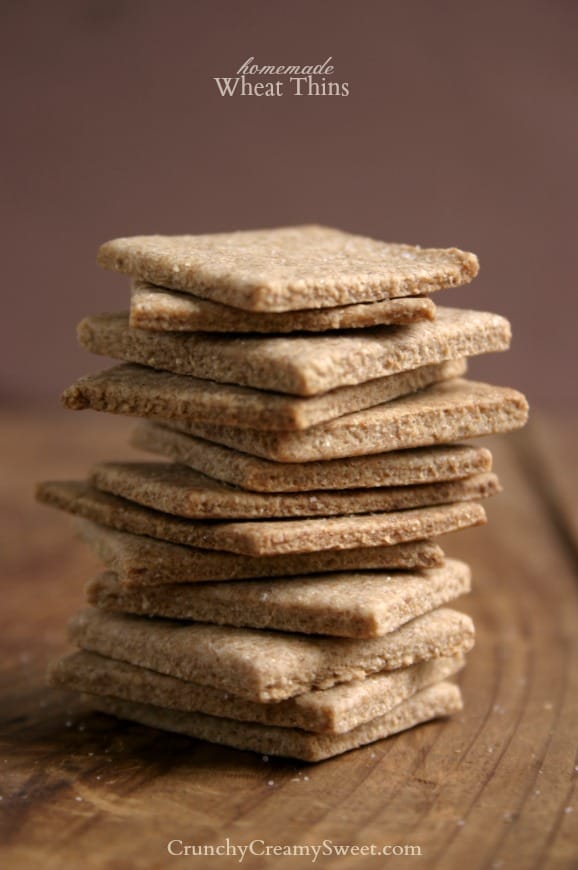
553,443
493,787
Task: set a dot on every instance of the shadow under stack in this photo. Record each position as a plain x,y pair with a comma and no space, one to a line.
278,584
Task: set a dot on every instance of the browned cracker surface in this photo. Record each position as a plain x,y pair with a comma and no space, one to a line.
317,534
266,665
347,604
143,561
156,308
288,268
177,489
301,365
334,710
440,413
207,503
396,468
144,392
435,701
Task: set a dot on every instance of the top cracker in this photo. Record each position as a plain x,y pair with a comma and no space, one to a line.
288,269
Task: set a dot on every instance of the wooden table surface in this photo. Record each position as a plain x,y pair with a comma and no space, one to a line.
492,787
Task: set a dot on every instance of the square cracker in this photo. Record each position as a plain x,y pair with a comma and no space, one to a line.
289,268
266,665
141,391
177,500
441,699
252,473
268,537
333,711
347,604
164,310
301,365
439,413
143,561
272,538
176,489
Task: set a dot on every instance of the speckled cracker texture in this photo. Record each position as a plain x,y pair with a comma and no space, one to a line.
348,604
332,711
288,269
395,468
158,309
442,699
301,365
173,499
143,561
441,413
265,538
145,392
176,489
266,665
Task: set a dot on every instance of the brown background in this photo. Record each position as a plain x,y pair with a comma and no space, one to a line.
461,129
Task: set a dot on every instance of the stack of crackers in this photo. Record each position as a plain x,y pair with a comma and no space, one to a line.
278,584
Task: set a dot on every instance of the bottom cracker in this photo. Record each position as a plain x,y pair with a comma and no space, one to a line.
334,710
441,699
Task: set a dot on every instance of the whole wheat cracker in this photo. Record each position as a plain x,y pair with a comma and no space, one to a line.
82,499
347,604
442,699
395,468
288,268
145,392
301,365
177,489
440,413
333,711
266,665
143,561
264,538
156,308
